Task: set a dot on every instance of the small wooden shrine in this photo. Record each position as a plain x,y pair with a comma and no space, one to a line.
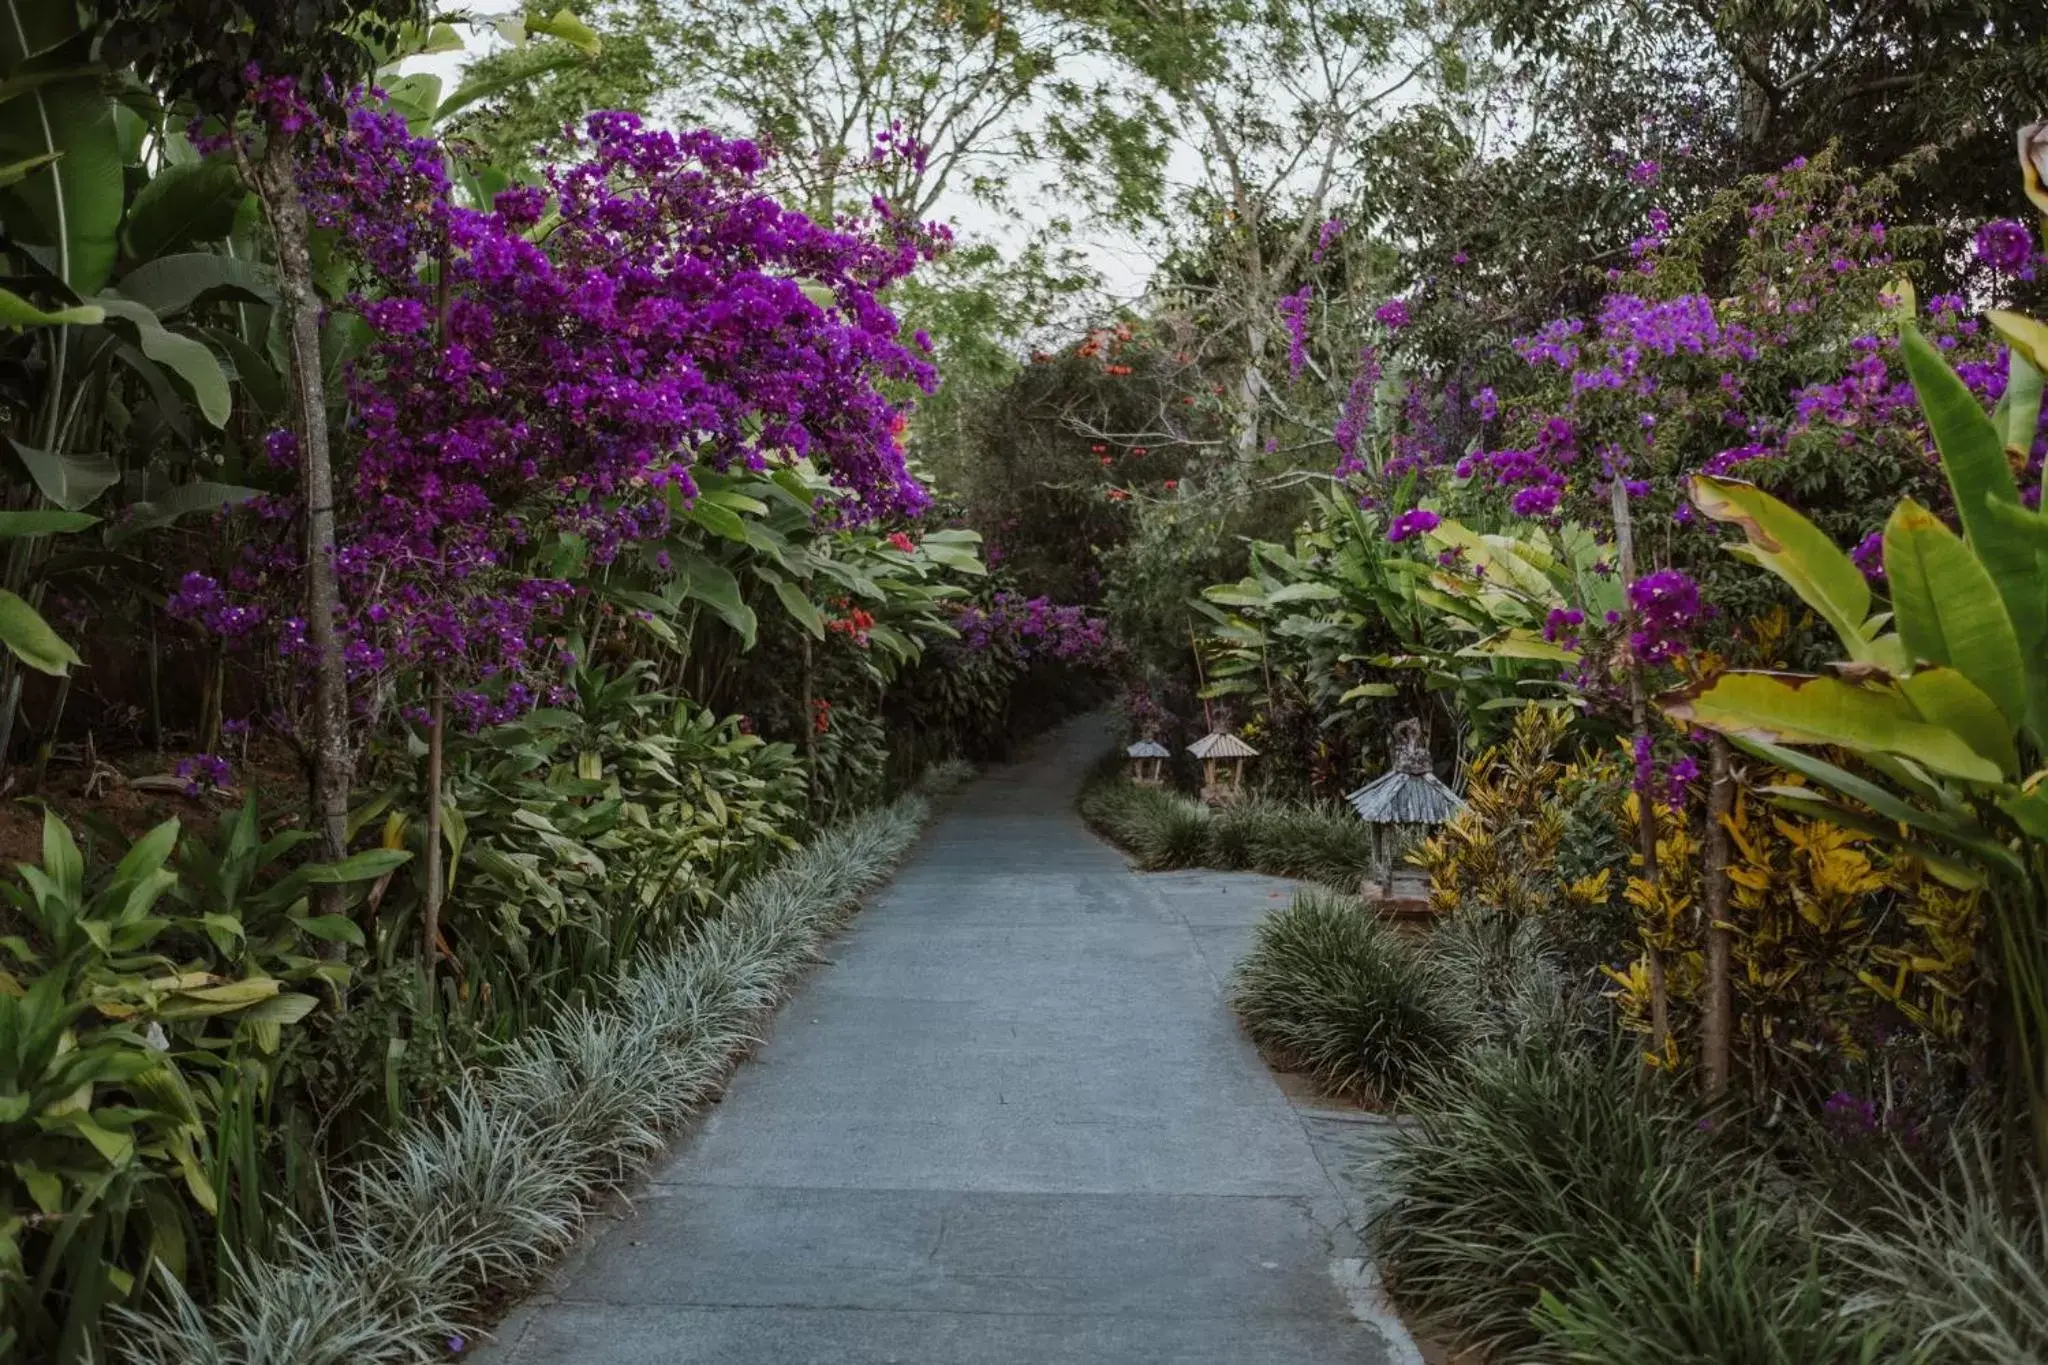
1223,757
1148,762
1402,806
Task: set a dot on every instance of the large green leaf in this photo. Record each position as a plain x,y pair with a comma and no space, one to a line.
484,86
802,608
169,285
255,371
1946,698
43,522
73,203
186,356
1790,708
1947,609
69,479
564,24
183,205
714,586
1793,548
1961,831
25,632
1973,457
18,312
181,500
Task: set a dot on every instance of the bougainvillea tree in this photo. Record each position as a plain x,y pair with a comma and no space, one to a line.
540,377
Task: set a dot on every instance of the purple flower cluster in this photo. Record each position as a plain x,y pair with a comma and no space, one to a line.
1354,415
1413,522
1294,312
2006,246
1667,605
1033,628
1561,626
1327,234
525,388
202,773
1393,314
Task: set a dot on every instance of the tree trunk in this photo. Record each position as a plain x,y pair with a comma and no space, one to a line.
1717,1027
331,753
1646,806
808,722
430,899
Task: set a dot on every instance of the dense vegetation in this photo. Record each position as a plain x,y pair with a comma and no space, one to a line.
488,558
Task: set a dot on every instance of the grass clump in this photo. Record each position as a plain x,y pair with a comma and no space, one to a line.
1741,1284
1163,829
1501,979
1962,1268
1160,828
1525,1166
1334,992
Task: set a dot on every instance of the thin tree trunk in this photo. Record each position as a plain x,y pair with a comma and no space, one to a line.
1646,823
808,721
430,901
1717,1027
332,758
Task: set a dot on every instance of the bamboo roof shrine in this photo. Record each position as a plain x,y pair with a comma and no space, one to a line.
1402,805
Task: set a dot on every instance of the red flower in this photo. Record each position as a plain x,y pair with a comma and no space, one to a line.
1173,483
1118,494
902,542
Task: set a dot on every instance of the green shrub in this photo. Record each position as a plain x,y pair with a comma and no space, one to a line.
1335,992
1740,1285
1523,1168
1963,1269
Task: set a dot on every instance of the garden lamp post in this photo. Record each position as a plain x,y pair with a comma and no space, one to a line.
1223,755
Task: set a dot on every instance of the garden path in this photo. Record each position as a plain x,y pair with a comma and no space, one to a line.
1011,1123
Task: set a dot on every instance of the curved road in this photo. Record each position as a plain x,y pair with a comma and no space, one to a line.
1011,1123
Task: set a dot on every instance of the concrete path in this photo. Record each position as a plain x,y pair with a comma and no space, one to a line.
1013,1123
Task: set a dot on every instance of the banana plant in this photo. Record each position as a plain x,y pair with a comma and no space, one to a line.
126,322
1932,730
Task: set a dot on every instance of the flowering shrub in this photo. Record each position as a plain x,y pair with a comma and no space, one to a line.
1028,629
533,401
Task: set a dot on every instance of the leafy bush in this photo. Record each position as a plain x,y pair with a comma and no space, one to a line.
1523,1168
1964,1270
1742,1284
1336,992
134,1040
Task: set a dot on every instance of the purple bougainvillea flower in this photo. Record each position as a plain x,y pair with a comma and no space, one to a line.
1413,522
2006,246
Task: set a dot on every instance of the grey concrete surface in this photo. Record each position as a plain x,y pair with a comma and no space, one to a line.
1012,1122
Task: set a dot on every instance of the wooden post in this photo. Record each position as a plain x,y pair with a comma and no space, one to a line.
1717,1026
1639,716
430,912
